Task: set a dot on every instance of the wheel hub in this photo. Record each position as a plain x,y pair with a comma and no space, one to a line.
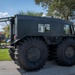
33,54
69,52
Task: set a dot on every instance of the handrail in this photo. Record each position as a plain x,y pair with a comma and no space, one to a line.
5,19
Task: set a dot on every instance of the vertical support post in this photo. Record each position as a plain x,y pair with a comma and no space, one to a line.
11,32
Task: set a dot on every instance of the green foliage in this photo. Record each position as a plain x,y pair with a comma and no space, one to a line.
44,3
4,55
6,31
30,13
64,7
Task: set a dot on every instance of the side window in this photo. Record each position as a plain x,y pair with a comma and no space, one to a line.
43,28
67,29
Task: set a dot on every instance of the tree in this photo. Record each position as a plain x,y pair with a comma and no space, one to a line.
64,7
31,13
6,31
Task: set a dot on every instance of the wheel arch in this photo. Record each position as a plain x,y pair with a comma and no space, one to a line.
26,37
62,38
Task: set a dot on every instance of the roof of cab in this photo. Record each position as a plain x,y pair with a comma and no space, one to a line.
41,18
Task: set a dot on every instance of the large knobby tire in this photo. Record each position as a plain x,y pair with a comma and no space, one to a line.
66,53
52,52
32,54
11,53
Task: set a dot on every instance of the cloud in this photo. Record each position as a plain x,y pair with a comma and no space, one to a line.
2,15
5,14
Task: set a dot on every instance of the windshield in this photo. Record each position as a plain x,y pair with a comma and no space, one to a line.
69,29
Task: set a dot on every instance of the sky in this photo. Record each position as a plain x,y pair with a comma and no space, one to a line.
12,7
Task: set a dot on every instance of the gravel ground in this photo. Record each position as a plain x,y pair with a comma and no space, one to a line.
9,68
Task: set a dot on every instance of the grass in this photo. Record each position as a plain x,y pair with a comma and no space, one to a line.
4,55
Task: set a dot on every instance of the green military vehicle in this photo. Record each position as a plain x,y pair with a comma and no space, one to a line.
34,40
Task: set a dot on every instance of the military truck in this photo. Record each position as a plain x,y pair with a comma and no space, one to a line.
34,40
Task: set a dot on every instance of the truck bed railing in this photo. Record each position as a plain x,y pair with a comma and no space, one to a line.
5,19
11,20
